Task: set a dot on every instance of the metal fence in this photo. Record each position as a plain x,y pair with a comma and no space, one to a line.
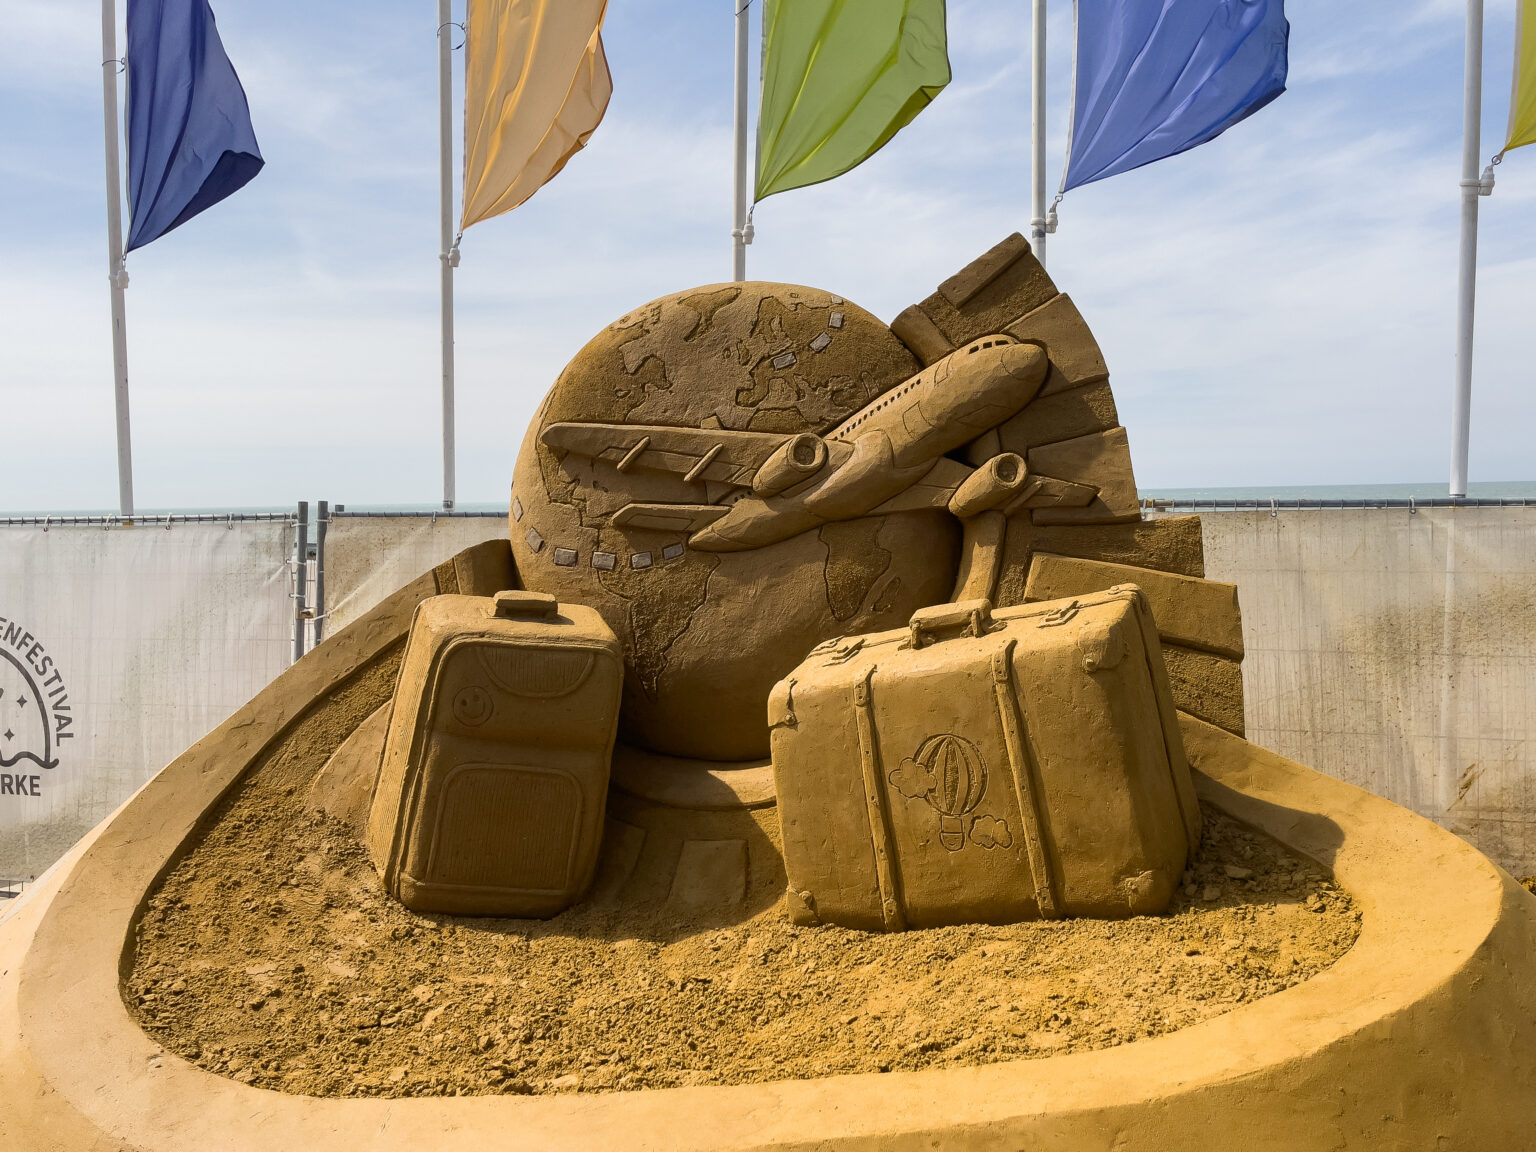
1301,504
12,888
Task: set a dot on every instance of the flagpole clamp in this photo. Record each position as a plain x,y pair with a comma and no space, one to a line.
747,231
1483,184
453,24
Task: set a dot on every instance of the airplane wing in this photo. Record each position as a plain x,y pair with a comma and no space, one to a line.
946,475
668,517
1049,492
695,454
935,488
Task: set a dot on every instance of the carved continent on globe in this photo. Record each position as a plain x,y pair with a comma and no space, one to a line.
707,634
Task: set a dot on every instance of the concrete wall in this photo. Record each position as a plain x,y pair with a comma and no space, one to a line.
1396,650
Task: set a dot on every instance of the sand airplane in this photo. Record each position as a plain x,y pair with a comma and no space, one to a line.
890,456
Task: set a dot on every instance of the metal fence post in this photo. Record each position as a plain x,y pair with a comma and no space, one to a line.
322,522
300,579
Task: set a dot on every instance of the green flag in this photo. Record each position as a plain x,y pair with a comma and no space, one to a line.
840,78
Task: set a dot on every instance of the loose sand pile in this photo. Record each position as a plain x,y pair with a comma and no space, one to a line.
272,955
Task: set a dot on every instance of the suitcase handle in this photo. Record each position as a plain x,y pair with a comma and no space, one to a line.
973,617
520,603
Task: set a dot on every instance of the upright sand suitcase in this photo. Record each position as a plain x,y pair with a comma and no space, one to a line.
494,778
982,767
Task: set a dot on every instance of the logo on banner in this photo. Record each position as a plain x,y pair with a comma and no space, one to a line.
35,714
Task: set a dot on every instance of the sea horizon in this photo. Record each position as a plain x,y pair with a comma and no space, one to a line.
1485,490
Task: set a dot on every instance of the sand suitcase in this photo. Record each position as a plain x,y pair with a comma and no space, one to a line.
494,777
984,767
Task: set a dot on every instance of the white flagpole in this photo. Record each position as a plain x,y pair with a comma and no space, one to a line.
448,254
117,272
1037,129
1466,288
739,233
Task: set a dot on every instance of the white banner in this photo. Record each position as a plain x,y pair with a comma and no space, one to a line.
1396,650
370,557
119,648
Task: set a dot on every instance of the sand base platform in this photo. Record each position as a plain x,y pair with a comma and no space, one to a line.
214,967
272,955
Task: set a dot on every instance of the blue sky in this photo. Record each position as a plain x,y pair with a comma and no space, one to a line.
1276,307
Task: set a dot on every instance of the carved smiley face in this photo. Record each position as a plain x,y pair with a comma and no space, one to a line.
472,706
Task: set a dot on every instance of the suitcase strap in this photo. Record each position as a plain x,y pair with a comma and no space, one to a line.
891,912
1025,789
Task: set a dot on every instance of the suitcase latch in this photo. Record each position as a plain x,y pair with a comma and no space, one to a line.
844,651
1058,616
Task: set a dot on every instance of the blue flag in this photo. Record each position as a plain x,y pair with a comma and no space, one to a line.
190,141
1158,77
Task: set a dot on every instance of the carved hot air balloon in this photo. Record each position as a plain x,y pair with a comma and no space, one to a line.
956,776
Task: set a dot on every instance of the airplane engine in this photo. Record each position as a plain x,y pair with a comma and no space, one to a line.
798,458
990,486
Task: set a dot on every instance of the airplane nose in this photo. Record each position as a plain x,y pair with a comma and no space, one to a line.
1025,362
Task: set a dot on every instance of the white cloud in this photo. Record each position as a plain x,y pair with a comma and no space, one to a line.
51,47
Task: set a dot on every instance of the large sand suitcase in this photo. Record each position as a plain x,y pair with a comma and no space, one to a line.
494,777
984,767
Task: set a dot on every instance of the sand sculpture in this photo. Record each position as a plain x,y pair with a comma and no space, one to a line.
752,452
740,474
490,793
761,363
217,965
1043,776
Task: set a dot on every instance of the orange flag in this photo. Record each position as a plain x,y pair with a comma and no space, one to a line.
536,87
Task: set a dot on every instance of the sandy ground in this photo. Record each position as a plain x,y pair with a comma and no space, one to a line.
271,954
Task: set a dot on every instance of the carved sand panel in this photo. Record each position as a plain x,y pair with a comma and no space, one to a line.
1196,613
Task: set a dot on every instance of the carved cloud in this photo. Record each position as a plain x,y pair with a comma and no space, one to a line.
991,832
913,780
